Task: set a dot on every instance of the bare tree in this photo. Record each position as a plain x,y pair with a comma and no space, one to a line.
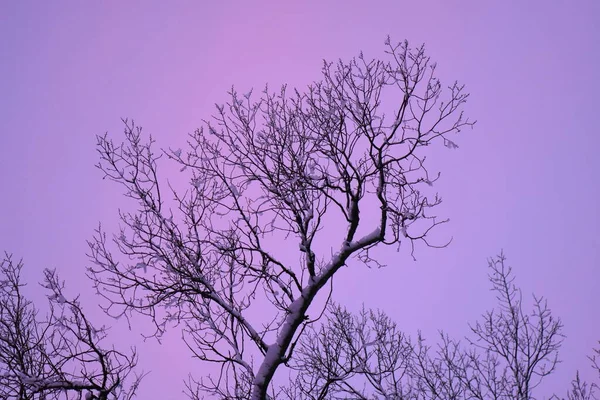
523,348
366,357
265,172
581,390
59,357
352,357
280,167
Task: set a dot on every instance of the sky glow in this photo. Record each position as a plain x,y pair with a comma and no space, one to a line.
524,180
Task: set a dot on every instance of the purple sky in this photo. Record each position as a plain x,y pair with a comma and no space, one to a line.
524,180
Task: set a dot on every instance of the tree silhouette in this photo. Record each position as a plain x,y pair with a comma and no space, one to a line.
59,356
363,356
331,172
283,168
366,356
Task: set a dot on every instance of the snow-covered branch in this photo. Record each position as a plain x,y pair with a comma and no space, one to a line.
270,169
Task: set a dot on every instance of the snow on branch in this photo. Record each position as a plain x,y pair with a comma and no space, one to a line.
268,173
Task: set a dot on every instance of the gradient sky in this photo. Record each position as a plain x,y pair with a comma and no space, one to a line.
524,180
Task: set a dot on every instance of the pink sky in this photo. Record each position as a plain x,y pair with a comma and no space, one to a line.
524,180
